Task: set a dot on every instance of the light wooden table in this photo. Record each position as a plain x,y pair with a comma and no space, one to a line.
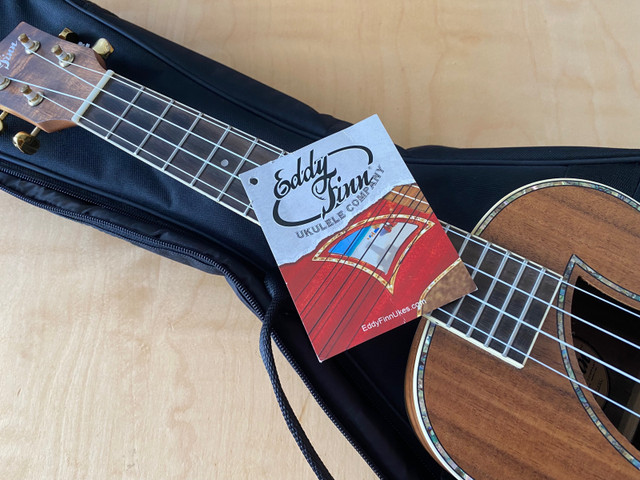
164,380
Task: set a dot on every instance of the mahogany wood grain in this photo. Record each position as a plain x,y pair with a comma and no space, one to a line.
499,422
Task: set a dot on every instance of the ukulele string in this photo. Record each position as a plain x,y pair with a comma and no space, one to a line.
276,149
351,271
564,282
158,96
564,375
535,329
200,180
552,337
153,116
236,154
142,149
371,281
549,274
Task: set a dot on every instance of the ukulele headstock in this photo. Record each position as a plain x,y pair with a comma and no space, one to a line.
45,79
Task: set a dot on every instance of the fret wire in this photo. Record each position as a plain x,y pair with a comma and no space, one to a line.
508,297
494,280
152,93
207,161
184,108
168,122
169,143
153,128
459,302
525,309
184,139
236,172
162,160
248,209
483,254
121,117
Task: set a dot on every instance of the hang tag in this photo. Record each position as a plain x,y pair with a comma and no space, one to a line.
356,241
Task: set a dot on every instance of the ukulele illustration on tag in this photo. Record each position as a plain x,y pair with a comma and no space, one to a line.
356,241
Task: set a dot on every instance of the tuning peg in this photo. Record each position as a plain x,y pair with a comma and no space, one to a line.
103,48
69,36
30,46
34,98
27,142
3,115
4,82
64,58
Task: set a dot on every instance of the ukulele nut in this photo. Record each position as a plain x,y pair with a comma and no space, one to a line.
33,98
64,58
30,46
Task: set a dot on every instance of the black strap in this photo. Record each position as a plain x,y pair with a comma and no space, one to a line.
290,418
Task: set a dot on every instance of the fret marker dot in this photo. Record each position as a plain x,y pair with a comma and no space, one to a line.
253,181
224,163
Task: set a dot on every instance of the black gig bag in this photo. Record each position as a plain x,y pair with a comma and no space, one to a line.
106,188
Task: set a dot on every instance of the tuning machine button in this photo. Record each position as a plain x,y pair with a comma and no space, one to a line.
69,36
64,58
30,46
34,98
103,48
4,82
3,115
27,142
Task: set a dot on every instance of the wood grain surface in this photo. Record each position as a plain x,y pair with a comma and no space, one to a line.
164,380
498,410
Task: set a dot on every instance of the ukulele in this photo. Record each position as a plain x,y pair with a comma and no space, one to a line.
534,375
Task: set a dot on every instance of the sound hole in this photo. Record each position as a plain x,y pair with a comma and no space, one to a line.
592,305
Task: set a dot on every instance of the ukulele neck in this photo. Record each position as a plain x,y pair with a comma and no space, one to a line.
503,316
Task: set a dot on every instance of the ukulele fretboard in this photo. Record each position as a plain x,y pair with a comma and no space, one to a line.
194,148
505,314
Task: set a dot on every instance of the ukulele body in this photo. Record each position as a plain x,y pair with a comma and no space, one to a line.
483,418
